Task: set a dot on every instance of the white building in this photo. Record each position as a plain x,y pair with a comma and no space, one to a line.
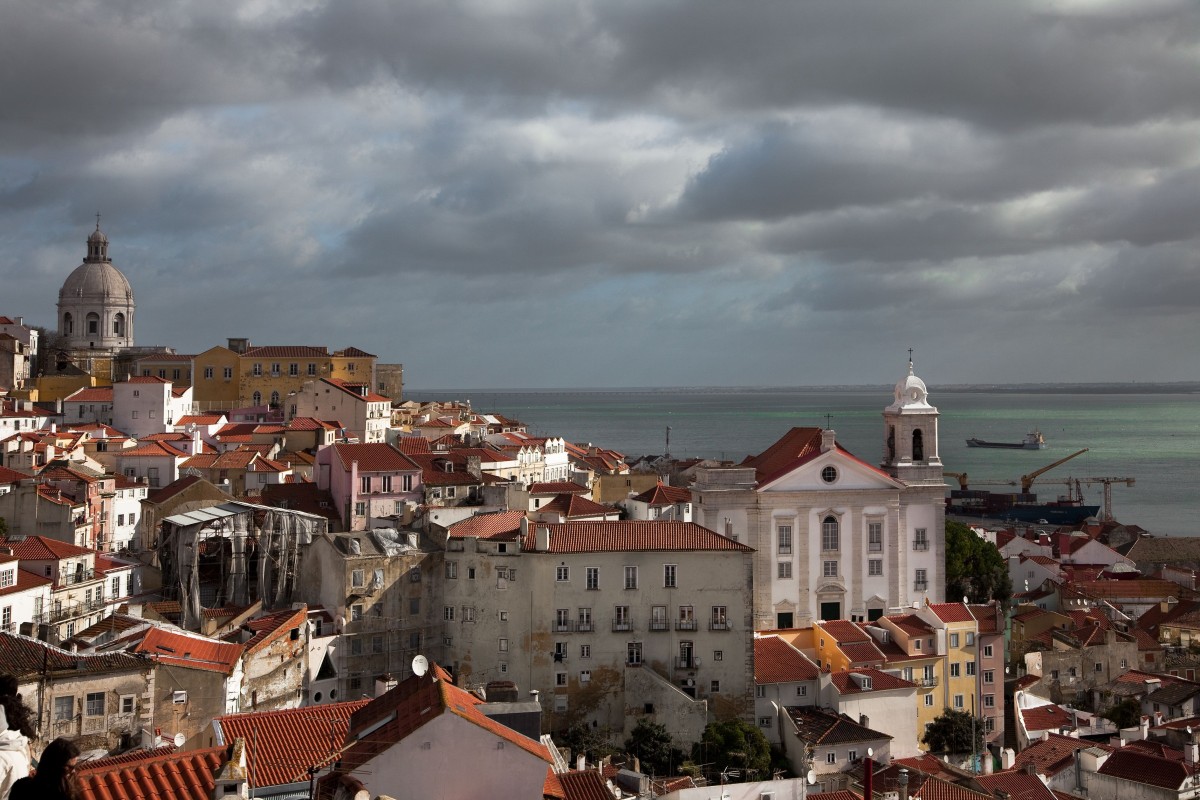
24,595
835,537
126,507
145,404
367,415
783,676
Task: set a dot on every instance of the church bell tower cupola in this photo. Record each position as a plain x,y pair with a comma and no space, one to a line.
910,446
97,252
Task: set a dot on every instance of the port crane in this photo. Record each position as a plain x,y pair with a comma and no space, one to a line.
1026,480
1108,482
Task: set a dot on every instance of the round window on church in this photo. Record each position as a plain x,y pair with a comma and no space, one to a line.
829,474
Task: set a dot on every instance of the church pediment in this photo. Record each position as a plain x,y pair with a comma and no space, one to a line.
832,471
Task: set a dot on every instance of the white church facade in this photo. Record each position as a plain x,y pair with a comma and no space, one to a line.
836,537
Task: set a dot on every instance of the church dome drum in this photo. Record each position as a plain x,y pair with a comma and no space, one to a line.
95,303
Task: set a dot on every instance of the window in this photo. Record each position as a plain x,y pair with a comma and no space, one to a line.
989,701
764,722
585,651
585,675
829,474
920,540
502,645
1054,674
829,569
95,704
357,577
621,620
875,566
687,622
64,709
631,577
760,691
785,569
831,758
970,639
987,651
669,575
852,755
989,676
916,644
719,621
414,606
830,538
275,368
360,509
376,644
356,612
312,368
562,573
920,584
633,653
958,701
592,578
954,640
127,704
452,570
256,369
585,619
448,613
364,484
293,368
954,669
504,616
1099,667
562,619
970,667
227,373
784,534
1124,663
560,679
718,655
209,372
468,613
929,699
7,578
714,687
875,537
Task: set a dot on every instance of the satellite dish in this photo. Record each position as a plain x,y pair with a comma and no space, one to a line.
420,665
811,777
1189,730
870,752
965,600
180,739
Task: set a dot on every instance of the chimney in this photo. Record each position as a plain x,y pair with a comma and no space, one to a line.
903,781
580,762
1008,757
1193,752
1145,728
828,440
541,538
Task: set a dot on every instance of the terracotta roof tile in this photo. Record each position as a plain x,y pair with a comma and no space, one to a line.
572,505
189,650
558,487
40,548
880,681
817,726
270,627
373,458
172,776
1051,755
290,741
588,785
498,525
630,536
952,612
661,495
285,351
1145,768
25,657
935,788
1046,718
1018,785
776,661
844,631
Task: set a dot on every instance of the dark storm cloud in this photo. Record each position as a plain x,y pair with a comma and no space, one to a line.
713,178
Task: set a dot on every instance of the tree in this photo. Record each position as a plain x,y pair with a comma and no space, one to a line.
652,745
951,733
583,738
735,745
1125,714
974,567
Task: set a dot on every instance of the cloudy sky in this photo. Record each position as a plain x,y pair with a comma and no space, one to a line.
516,193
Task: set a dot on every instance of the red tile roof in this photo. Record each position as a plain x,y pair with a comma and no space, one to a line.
270,627
40,548
288,742
358,390
935,788
189,650
629,536
285,351
25,657
1152,770
1018,785
146,379
661,495
499,525
572,505
587,785
411,704
817,726
25,581
151,450
911,624
1052,755
952,612
373,458
880,681
1046,718
796,447
96,394
155,776
558,487
776,661
844,631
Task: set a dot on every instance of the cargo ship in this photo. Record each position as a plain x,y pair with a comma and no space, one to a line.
1032,441
1019,507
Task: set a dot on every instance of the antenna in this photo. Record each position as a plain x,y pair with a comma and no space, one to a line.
420,665
811,777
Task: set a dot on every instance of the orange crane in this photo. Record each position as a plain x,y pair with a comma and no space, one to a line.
1107,482
1028,479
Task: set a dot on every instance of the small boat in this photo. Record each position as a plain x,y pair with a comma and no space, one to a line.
1032,441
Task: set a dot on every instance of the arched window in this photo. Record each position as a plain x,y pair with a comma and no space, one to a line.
918,445
274,399
68,323
257,399
119,324
830,539
93,323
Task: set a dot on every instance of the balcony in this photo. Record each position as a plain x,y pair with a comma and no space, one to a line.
660,625
920,586
921,544
687,662
585,627
926,683
622,625
685,625
563,626
719,625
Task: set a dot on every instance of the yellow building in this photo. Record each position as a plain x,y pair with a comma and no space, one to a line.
215,385
912,646
174,367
